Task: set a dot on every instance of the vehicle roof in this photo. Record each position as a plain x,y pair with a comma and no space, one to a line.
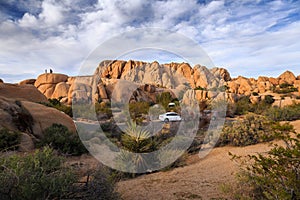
171,113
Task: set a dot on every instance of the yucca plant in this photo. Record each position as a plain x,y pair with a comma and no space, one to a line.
137,144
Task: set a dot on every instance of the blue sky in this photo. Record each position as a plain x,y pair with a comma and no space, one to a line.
248,37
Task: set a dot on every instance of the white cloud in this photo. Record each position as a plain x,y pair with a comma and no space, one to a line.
235,34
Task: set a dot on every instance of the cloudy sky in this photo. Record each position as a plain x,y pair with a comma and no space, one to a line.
248,37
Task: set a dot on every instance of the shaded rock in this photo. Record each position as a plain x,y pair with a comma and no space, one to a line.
27,81
22,92
1,81
44,117
26,143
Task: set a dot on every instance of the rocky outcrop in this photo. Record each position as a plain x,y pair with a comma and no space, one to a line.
27,82
176,77
163,75
31,119
47,85
1,81
21,92
287,77
43,117
50,79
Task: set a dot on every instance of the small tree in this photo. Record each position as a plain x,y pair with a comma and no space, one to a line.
60,138
41,175
276,174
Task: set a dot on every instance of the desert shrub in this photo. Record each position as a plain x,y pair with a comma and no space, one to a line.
9,139
100,185
60,138
269,99
252,129
242,106
199,88
255,94
285,88
136,109
287,113
55,103
41,175
275,174
164,99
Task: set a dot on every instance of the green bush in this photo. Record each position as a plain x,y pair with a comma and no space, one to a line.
164,99
9,140
55,103
274,175
287,113
138,108
269,99
252,129
60,138
285,88
242,106
41,175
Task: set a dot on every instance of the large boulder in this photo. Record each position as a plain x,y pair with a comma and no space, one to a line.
44,117
27,81
50,79
22,92
30,119
61,90
1,81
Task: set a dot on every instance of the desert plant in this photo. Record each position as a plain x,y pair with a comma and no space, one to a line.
276,174
287,113
136,143
137,109
164,99
60,138
9,139
41,175
242,106
55,103
99,184
251,130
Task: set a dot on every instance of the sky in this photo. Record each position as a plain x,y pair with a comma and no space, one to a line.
249,38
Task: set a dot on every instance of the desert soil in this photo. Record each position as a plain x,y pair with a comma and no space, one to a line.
205,178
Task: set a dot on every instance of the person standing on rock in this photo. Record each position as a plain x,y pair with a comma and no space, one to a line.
51,71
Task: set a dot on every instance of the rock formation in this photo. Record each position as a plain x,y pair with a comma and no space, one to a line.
175,77
21,92
31,119
27,81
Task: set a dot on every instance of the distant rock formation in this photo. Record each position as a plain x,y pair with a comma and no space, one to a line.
154,78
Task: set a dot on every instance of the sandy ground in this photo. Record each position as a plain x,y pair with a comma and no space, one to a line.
205,178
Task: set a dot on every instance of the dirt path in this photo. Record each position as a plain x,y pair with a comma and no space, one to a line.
202,180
